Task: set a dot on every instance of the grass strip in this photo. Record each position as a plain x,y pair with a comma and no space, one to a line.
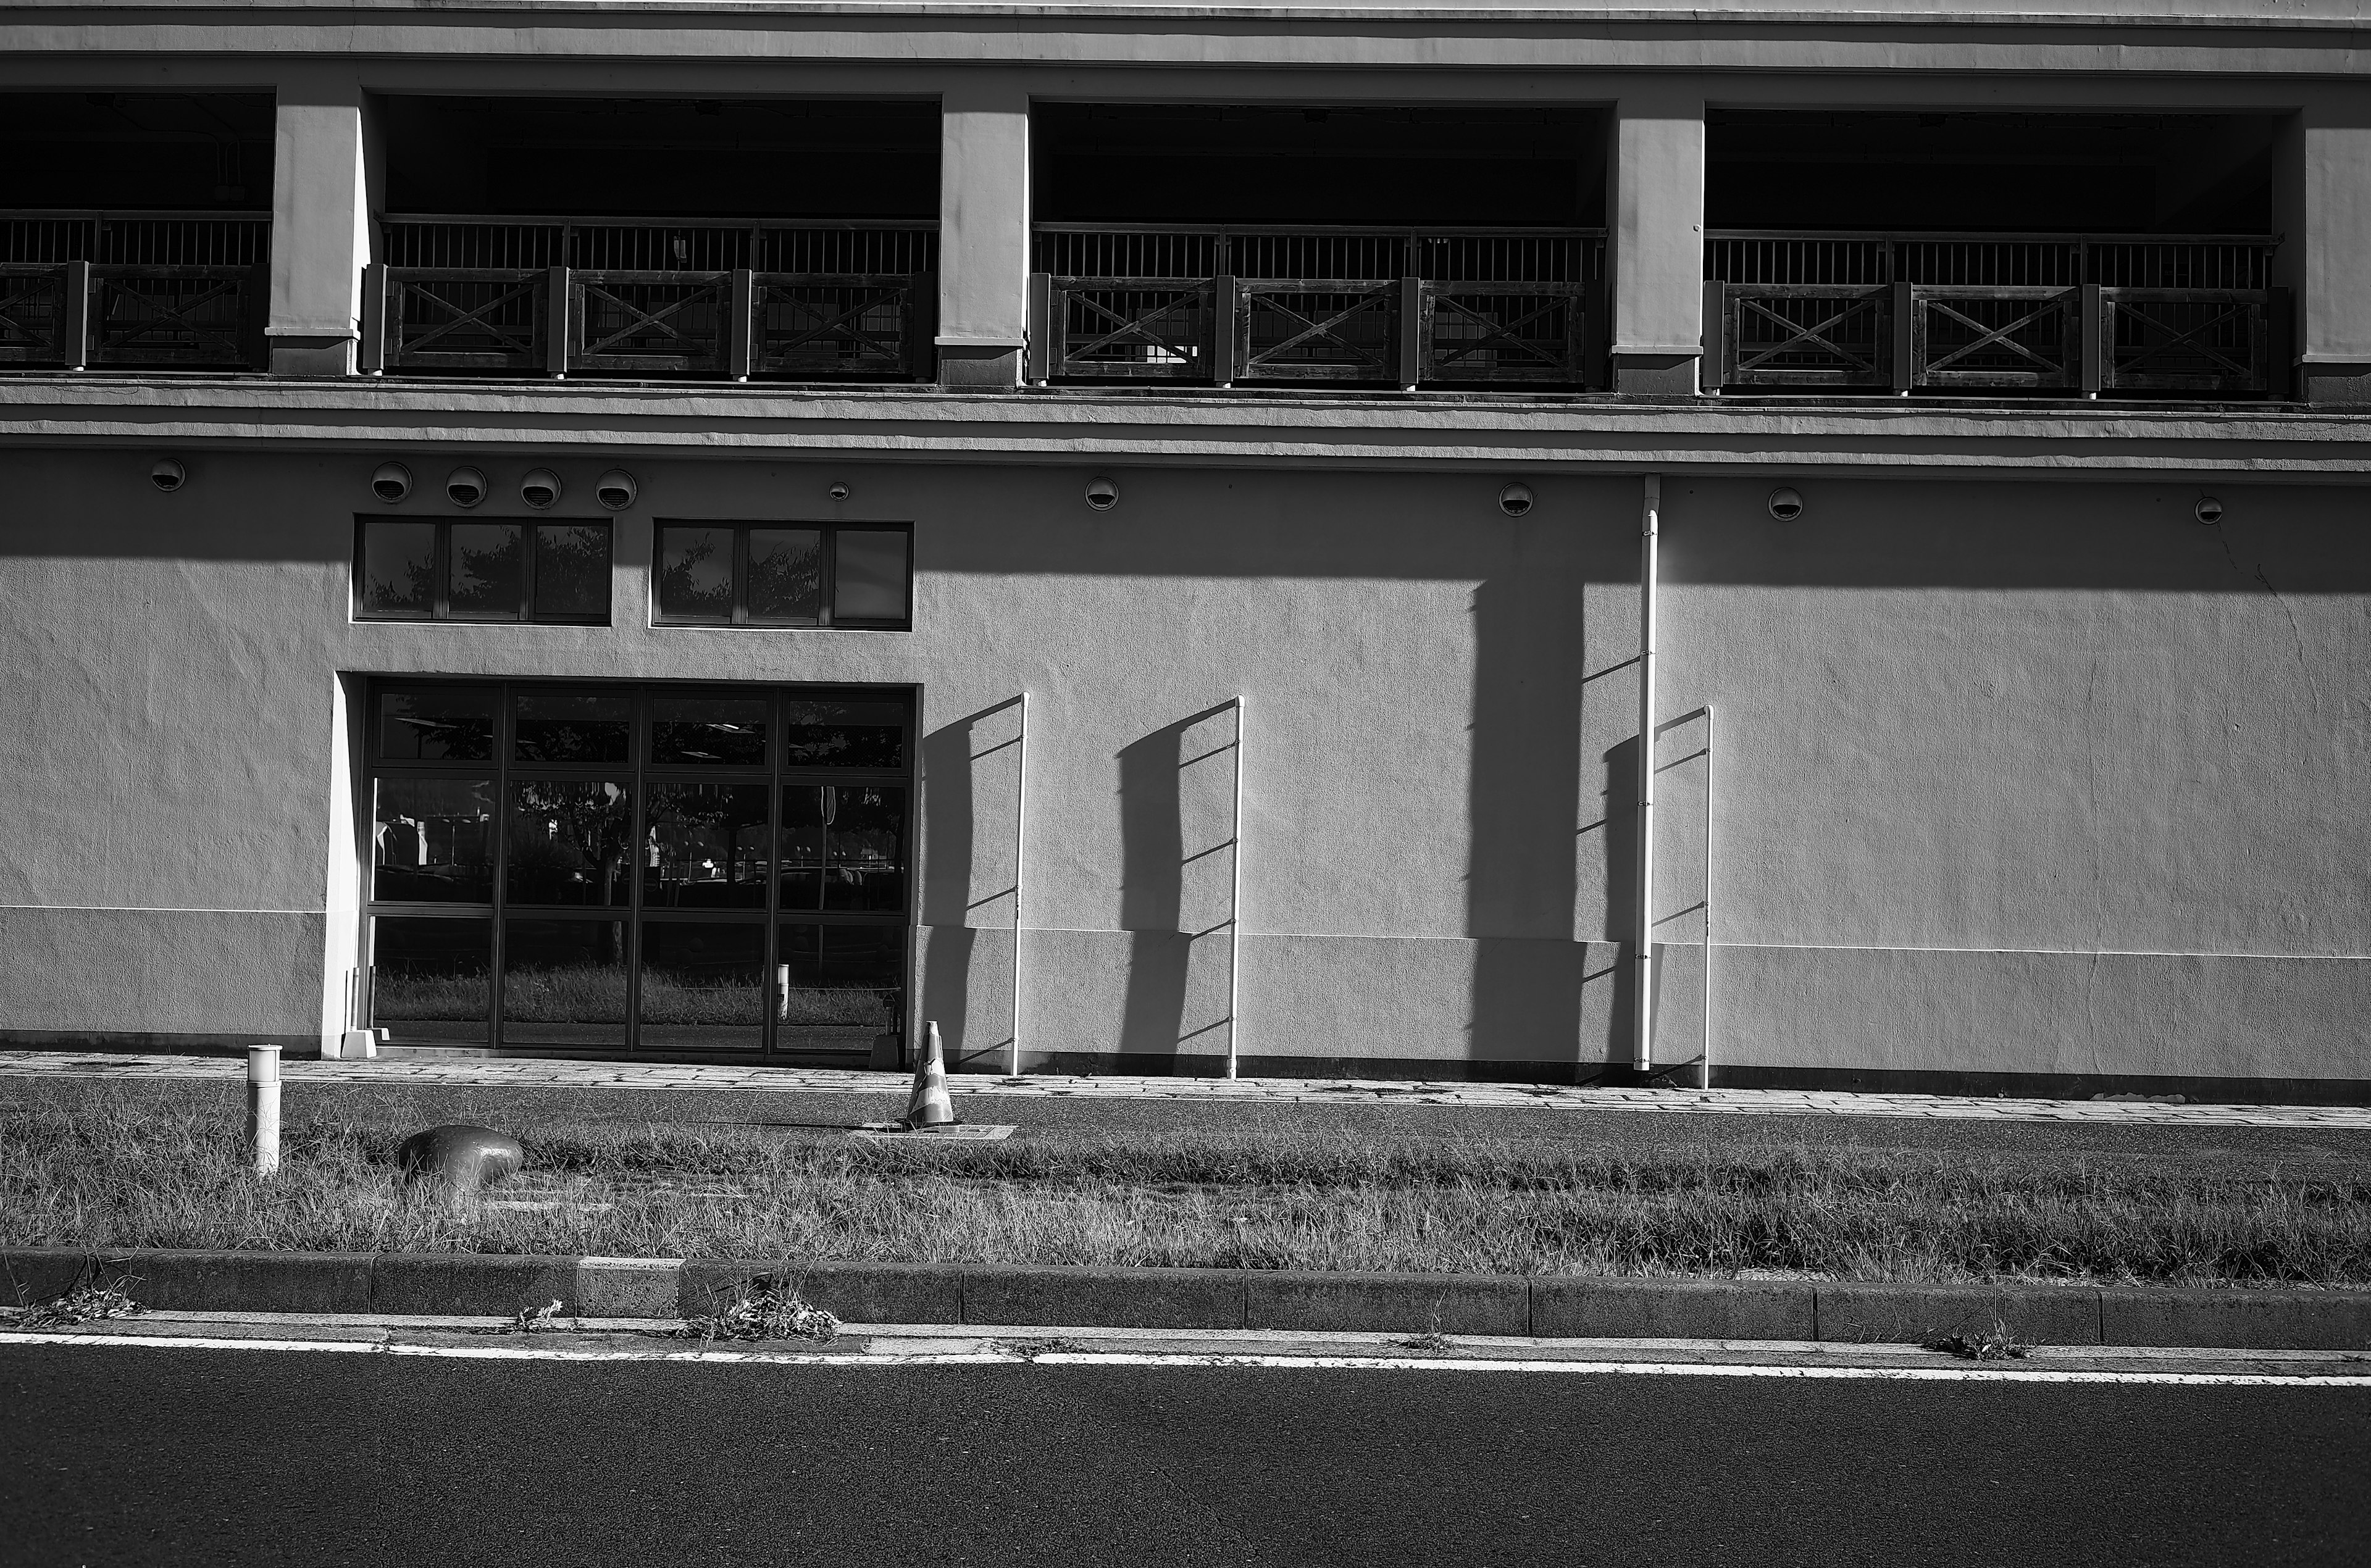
134,1173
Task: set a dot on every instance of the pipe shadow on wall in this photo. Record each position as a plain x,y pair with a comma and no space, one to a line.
1153,862
951,757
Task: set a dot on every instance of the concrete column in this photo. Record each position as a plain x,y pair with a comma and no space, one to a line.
2323,214
321,225
1655,241
983,232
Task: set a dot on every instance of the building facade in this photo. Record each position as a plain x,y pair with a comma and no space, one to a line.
1152,538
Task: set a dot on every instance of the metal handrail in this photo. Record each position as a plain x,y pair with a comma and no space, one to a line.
915,225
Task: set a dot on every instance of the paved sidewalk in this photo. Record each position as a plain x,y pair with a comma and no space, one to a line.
924,1344
521,1073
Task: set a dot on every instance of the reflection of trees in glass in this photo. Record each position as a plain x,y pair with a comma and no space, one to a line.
785,574
489,565
572,570
688,584
434,728
707,833
568,841
398,575
842,735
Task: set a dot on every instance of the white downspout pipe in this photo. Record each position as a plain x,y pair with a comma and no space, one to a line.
1642,1046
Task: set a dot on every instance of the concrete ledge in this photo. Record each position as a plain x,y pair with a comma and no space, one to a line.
1449,1304
470,1283
32,1275
629,1287
2237,1319
1103,1299
856,1293
1674,1308
477,1283
1907,1314
229,1282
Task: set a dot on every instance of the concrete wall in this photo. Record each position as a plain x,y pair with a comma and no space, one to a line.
2013,777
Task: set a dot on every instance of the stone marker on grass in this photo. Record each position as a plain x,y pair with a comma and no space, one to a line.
462,1157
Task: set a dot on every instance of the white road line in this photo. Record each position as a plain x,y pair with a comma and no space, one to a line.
1211,1359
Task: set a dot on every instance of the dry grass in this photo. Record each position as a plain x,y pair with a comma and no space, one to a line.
117,1174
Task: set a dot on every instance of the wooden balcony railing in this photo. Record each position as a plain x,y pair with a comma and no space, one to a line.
1317,305
134,290
2082,315
509,297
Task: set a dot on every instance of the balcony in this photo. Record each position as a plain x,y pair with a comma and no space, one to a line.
659,298
141,290
2160,316
1347,305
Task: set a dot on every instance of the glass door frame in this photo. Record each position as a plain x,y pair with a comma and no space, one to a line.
502,770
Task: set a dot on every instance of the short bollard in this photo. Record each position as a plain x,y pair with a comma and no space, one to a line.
263,1107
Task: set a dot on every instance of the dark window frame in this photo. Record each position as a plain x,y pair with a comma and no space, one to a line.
640,771
441,572
826,619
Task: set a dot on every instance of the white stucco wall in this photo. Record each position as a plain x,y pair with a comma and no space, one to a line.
2014,776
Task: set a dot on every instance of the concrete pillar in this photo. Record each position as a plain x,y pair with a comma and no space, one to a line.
983,232
1655,241
2323,214
321,225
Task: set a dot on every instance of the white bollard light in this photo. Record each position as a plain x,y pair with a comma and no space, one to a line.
263,1107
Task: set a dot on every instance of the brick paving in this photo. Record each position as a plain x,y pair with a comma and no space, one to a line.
544,1074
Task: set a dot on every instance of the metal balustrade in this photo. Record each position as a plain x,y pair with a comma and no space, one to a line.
1317,305
654,298
132,290
2071,314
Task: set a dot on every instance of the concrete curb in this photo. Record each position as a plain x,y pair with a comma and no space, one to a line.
487,1284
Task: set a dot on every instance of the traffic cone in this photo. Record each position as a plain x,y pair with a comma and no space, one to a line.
927,1105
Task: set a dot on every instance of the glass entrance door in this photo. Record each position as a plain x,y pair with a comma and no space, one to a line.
647,871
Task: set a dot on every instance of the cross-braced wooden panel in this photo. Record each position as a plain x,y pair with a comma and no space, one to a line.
651,323
2185,341
1496,333
173,316
32,315
1807,335
1338,330
466,320
851,327
1995,337
1134,328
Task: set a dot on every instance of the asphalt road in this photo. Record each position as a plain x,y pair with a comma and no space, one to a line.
116,1455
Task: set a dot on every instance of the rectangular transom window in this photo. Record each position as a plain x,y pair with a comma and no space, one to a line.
784,574
494,569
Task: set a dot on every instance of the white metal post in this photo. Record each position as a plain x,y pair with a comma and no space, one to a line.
263,1107
1703,1056
1020,840
1235,912
1642,1045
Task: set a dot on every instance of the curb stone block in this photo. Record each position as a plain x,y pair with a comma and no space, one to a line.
1671,1309
1380,1303
470,1283
703,1284
879,1293
2239,1318
628,1287
1907,1314
1096,1297
30,1276
176,1280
